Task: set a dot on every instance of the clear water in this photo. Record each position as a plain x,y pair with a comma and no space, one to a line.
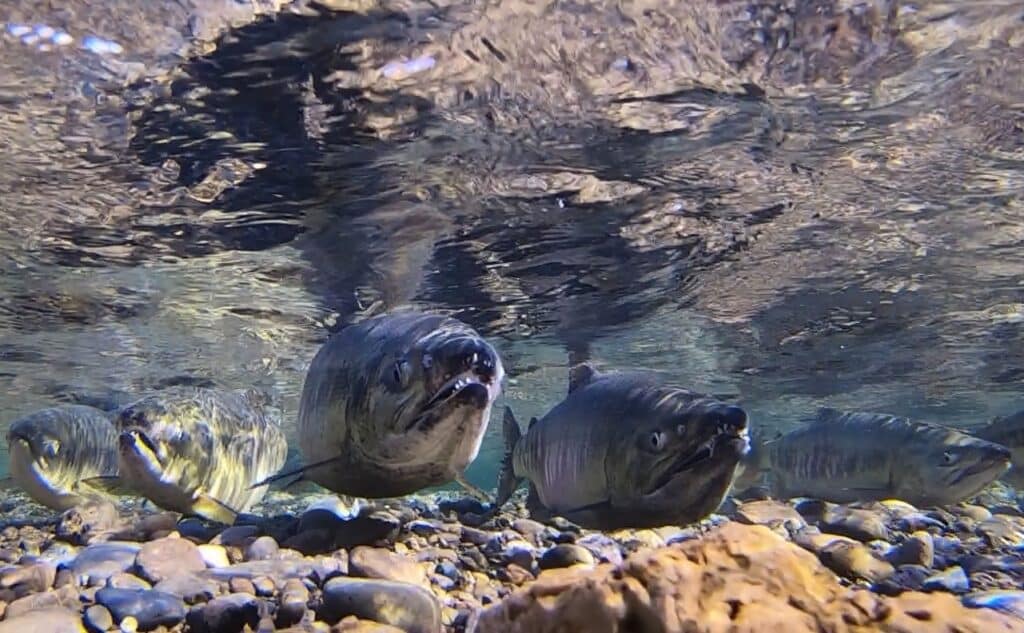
797,204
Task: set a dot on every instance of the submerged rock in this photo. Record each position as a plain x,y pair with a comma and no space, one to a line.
149,608
760,583
50,620
408,607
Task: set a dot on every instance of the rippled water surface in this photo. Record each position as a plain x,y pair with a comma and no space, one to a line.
794,203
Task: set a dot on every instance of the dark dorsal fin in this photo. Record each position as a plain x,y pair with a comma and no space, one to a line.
533,421
826,414
581,375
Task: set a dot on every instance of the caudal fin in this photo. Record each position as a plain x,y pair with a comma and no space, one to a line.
507,480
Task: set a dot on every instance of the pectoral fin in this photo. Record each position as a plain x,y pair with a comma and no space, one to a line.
109,485
300,472
212,509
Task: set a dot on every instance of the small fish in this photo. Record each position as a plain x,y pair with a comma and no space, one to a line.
1008,431
624,449
856,456
53,451
396,403
197,450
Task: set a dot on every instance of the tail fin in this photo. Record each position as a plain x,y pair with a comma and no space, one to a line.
507,480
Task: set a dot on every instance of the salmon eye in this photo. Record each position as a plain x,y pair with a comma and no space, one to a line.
948,458
400,372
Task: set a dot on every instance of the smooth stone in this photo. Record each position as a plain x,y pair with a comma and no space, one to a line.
293,603
862,525
1010,601
275,568
194,530
100,561
65,597
239,584
977,513
129,625
164,522
328,512
448,570
769,513
565,555
43,620
263,548
531,529
97,619
371,562
917,549
953,580
814,541
235,536
190,587
35,577
167,557
603,547
918,521
514,574
60,554
423,527
1001,532
151,608
462,506
214,555
403,605
264,586
79,524
226,614
520,553
906,578
475,536
124,580
854,560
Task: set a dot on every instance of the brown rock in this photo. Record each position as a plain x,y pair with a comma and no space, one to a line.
374,562
166,557
46,620
855,561
857,523
65,597
736,579
769,513
353,624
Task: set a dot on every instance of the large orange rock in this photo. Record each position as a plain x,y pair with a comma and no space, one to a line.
735,579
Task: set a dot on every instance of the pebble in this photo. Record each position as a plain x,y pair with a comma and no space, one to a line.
191,588
124,580
769,513
168,556
422,527
1007,600
263,548
402,605
34,578
97,619
46,620
603,547
862,525
293,603
519,553
235,536
264,586
150,608
226,614
917,549
855,561
65,597
129,625
100,561
239,584
80,524
214,555
565,555
371,562
953,580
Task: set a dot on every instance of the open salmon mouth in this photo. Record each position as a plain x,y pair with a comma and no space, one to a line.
453,387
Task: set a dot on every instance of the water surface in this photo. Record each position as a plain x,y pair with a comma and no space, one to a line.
793,207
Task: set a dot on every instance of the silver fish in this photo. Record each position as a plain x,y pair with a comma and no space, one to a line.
53,450
624,449
1008,431
395,404
197,450
857,456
